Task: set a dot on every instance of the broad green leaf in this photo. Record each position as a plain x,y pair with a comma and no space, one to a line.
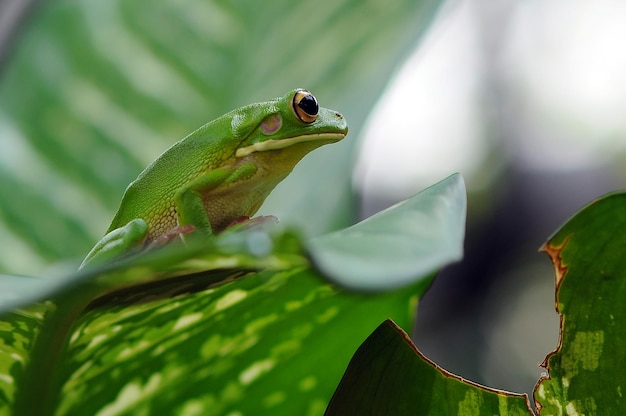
274,342
95,90
586,371
389,376
392,248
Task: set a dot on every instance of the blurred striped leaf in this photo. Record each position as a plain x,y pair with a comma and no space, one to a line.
95,90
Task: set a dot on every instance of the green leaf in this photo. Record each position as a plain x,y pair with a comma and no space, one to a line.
16,291
272,342
389,376
18,332
586,371
390,249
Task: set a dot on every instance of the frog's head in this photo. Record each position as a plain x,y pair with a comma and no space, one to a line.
294,123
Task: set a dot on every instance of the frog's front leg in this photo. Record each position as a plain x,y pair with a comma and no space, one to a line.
189,200
118,242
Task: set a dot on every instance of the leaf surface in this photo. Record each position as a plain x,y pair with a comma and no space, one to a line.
389,249
586,371
275,341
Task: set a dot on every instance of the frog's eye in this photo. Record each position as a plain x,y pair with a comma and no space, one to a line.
305,106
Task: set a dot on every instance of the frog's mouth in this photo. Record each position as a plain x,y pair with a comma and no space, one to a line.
282,143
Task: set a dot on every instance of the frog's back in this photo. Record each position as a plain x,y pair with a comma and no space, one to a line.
151,195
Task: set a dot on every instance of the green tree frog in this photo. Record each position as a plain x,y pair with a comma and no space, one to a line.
218,175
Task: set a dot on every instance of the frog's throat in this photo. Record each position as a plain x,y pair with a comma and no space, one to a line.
282,143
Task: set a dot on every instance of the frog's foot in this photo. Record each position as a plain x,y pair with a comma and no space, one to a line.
172,234
246,223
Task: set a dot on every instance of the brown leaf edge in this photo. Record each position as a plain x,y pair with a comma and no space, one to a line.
409,342
448,374
560,270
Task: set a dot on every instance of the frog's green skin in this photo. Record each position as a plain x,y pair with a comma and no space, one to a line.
218,174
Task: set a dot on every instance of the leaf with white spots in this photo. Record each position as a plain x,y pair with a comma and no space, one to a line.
586,371
275,342
18,330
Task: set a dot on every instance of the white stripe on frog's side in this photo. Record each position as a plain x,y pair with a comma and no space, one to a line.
282,143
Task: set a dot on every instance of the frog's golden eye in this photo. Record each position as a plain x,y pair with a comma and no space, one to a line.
305,106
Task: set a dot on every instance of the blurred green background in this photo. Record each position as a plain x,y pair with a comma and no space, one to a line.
92,92
523,98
